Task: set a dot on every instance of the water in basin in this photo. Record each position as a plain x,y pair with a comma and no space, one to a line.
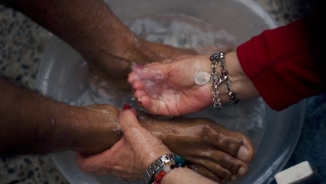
64,76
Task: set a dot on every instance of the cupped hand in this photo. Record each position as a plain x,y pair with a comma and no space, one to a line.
168,88
130,156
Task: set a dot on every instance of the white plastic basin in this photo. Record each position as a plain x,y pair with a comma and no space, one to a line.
63,75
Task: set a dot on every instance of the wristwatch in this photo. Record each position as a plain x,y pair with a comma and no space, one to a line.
155,166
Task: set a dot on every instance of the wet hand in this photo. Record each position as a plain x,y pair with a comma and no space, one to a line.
130,156
168,88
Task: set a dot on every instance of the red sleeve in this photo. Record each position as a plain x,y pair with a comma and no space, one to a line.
282,65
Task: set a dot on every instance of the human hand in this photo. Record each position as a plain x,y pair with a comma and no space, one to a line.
216,152
168,88
130,156
193,139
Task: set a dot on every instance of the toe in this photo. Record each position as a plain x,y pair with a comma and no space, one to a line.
213,168
205,172
246,151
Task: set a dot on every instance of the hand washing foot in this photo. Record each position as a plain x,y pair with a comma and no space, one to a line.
217,153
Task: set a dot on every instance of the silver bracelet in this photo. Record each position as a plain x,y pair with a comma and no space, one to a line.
214,58
163,165
225,78
203,78
155,166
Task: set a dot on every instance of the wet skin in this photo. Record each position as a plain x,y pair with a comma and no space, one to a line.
217,153
115,69
109,46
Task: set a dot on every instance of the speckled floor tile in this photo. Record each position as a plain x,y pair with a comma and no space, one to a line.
38,169
22,45
286,11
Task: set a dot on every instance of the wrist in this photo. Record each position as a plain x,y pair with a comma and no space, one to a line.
239,83
207,66
153,156
98,128
163,166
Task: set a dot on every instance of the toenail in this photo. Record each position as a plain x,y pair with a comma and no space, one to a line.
242,171
139,99
233,178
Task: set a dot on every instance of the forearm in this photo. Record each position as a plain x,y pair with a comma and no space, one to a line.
240,84
88,26
185,175
286,64
79,23
31,123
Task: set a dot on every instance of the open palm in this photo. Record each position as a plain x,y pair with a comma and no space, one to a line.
168,88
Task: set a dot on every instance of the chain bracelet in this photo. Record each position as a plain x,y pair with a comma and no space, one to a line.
215,58
225,78
216,82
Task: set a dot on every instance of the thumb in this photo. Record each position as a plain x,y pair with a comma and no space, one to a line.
127,120
134,133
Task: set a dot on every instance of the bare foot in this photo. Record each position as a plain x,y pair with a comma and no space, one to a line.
218,153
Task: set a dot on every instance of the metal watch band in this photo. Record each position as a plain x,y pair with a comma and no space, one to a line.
155,166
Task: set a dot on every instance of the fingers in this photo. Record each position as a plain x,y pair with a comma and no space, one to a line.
220,164
143,143
128,119
204,172
214,171
133,76
213,168
152,105
138,85
134,133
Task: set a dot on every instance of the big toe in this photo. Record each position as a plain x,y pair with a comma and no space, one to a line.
246,151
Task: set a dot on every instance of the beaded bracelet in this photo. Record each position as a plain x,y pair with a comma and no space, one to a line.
178,162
